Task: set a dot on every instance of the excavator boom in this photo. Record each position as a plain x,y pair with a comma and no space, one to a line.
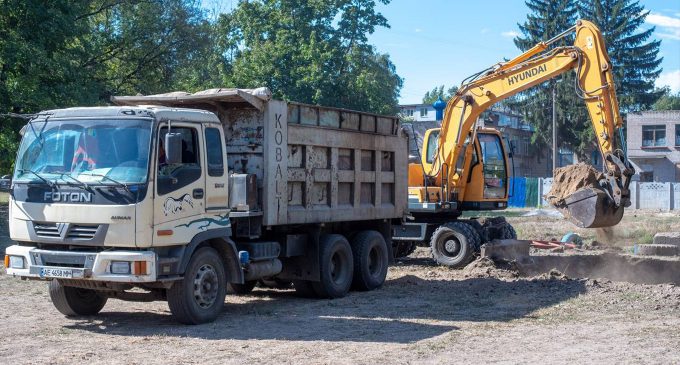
591,207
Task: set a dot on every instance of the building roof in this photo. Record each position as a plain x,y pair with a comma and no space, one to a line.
655,114
415,105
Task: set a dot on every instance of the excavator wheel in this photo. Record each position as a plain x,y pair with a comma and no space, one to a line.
403,248
454,244
497,228
483,233
508,232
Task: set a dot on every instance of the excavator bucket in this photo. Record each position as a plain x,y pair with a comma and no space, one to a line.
591,207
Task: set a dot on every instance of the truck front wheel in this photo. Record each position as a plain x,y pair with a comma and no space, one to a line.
199,297
72,301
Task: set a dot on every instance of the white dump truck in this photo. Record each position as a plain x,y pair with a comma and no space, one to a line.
179,196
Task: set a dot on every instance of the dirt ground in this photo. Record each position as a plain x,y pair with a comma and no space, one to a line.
423,314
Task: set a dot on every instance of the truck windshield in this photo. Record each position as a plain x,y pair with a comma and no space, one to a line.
89,151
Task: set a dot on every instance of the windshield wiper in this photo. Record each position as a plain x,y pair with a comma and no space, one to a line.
80,183
46,181
110,179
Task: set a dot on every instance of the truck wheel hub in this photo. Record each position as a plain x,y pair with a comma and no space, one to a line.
205,286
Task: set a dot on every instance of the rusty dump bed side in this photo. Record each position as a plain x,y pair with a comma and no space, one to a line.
313,164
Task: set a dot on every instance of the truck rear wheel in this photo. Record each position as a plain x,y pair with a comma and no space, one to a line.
72,301
370,260
335,267
454,244
199,297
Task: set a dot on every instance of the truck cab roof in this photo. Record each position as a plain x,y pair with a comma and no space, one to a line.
143,111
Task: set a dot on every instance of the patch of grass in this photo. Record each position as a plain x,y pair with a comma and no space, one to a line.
4,198
496,213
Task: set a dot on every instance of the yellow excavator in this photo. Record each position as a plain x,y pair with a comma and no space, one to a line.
464,168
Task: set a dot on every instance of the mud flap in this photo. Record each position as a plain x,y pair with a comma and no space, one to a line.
592,208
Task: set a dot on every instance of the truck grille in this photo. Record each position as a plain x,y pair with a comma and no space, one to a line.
49,230
65,230
82,231
63,260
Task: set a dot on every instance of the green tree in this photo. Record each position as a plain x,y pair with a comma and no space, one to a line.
64,53
39,54
667,101
150,46
634,57
438,92
545,20
310,51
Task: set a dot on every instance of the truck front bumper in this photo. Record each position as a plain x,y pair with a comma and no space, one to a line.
109,266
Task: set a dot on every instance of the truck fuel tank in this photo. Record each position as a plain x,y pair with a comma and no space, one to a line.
243,192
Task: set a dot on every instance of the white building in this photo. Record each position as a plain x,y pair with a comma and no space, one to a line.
419,112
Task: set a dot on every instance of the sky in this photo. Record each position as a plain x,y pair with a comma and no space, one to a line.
441,42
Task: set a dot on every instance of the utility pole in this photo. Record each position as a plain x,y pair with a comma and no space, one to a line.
554,128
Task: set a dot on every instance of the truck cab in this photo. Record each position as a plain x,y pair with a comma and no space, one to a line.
96,202
93,178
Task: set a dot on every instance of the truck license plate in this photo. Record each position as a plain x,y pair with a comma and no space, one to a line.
56,273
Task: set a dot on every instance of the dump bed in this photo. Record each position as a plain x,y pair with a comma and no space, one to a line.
313,164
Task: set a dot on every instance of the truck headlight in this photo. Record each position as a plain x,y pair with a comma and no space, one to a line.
16,262
120,267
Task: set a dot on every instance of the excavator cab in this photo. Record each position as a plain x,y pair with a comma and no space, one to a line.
486,170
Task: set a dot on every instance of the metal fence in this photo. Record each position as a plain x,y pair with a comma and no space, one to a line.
528,192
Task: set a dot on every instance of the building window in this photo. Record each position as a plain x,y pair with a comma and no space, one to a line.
653,135
409,112
565,157
423,112
526,143
677,134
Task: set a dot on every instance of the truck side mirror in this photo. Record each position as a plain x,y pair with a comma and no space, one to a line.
173,148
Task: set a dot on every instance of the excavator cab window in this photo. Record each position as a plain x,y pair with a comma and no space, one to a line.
432,146
493,160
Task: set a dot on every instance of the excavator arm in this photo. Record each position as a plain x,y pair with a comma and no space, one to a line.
594,84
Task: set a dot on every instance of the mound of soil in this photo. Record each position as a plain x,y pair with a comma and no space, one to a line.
484,267
553,274
569,179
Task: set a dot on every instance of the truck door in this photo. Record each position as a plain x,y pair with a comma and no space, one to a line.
180,188
216,182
